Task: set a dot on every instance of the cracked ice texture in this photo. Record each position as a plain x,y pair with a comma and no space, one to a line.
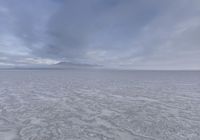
99,105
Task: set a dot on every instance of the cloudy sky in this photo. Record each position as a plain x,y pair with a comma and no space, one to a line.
135,34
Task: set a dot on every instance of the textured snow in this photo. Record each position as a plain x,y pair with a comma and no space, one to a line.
99,105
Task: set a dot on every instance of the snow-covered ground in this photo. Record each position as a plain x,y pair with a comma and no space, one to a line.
99,105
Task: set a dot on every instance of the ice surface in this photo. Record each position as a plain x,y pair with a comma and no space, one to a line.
99,105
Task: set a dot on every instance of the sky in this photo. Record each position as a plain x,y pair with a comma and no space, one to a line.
128,34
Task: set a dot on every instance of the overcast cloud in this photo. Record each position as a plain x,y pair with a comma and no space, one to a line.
135,34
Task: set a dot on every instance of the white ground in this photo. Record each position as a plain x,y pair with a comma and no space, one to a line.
99,105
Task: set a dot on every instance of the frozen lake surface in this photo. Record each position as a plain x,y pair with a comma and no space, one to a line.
99,105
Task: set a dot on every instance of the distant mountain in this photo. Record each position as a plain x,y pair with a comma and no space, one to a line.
75,65
60,65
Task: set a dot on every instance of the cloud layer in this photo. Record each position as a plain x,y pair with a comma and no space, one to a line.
136,34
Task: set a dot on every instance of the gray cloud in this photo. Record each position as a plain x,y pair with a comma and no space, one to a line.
151,34
80,25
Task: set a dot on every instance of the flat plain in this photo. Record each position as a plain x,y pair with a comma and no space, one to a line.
99,105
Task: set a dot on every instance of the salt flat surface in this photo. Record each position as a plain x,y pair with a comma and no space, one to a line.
99,105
